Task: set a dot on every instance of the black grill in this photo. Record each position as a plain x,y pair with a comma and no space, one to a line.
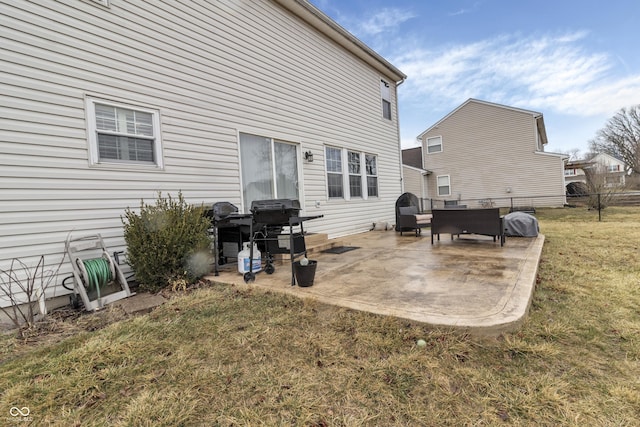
275,211
263,226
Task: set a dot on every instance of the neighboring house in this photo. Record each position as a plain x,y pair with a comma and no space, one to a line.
484,153
615,170
574,171
414,176
415,181
412,157
107,102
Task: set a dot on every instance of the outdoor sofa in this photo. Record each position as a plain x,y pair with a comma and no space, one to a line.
483,221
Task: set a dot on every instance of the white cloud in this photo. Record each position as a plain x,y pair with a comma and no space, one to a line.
385,20
549,72
460,12
381,21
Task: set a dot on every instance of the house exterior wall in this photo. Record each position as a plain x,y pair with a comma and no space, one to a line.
491,152
414,181
574,175
212,70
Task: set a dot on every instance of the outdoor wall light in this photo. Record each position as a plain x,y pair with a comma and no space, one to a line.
308,156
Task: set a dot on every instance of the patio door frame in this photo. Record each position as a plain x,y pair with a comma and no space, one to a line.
246,204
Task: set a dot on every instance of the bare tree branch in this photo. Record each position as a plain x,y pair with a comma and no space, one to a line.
621,137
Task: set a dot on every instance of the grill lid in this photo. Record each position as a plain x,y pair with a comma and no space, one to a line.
221,210
276,205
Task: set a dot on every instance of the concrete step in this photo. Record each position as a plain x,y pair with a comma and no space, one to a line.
314,243
314,239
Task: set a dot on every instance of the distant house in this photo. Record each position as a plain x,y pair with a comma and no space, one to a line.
414,176
489,154
615,170
106,103
412,157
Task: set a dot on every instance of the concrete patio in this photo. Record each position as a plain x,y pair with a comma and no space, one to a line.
470,283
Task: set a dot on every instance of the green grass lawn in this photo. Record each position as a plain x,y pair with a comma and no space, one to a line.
225,355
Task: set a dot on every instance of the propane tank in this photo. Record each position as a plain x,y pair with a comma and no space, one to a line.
243,259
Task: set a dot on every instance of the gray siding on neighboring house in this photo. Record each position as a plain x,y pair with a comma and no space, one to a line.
213,70
490,151
412,157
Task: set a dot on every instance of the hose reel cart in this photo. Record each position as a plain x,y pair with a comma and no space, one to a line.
97,279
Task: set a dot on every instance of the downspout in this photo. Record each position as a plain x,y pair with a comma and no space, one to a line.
399,139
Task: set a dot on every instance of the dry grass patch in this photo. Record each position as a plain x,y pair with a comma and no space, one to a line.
235,355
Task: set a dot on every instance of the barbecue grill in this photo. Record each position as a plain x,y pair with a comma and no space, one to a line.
264,226
274,212
269,218
227,228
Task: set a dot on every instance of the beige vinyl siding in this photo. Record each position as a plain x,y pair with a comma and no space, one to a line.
414,181
489,150
212,70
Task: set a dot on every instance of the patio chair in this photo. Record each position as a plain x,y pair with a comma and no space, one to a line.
408,215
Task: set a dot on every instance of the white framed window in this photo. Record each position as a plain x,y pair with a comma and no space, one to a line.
361,177
434,145
123,134
444,185
613,168
385,94
371,165
333,160
570,172
355,174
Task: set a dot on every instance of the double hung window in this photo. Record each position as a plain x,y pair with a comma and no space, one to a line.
371,163
385,94
335,184
434,145
123,134
355,175
444,185
361,177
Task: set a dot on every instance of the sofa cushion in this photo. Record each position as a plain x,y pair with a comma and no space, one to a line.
423,218
408,210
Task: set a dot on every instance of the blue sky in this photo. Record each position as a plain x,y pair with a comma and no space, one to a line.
575,61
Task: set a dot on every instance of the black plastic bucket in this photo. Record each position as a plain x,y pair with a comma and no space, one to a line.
305,273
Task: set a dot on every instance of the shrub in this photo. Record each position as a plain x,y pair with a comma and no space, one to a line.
167,242
24,288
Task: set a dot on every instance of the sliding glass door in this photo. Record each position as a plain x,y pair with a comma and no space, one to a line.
269,169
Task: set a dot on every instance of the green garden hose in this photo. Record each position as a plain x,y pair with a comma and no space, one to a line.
98,273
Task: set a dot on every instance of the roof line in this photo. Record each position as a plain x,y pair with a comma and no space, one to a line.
323,23
536,114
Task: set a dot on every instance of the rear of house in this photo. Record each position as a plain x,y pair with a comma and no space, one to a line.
485,154
108,102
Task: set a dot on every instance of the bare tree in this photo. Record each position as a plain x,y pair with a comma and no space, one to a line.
621,137
602,186
573,154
